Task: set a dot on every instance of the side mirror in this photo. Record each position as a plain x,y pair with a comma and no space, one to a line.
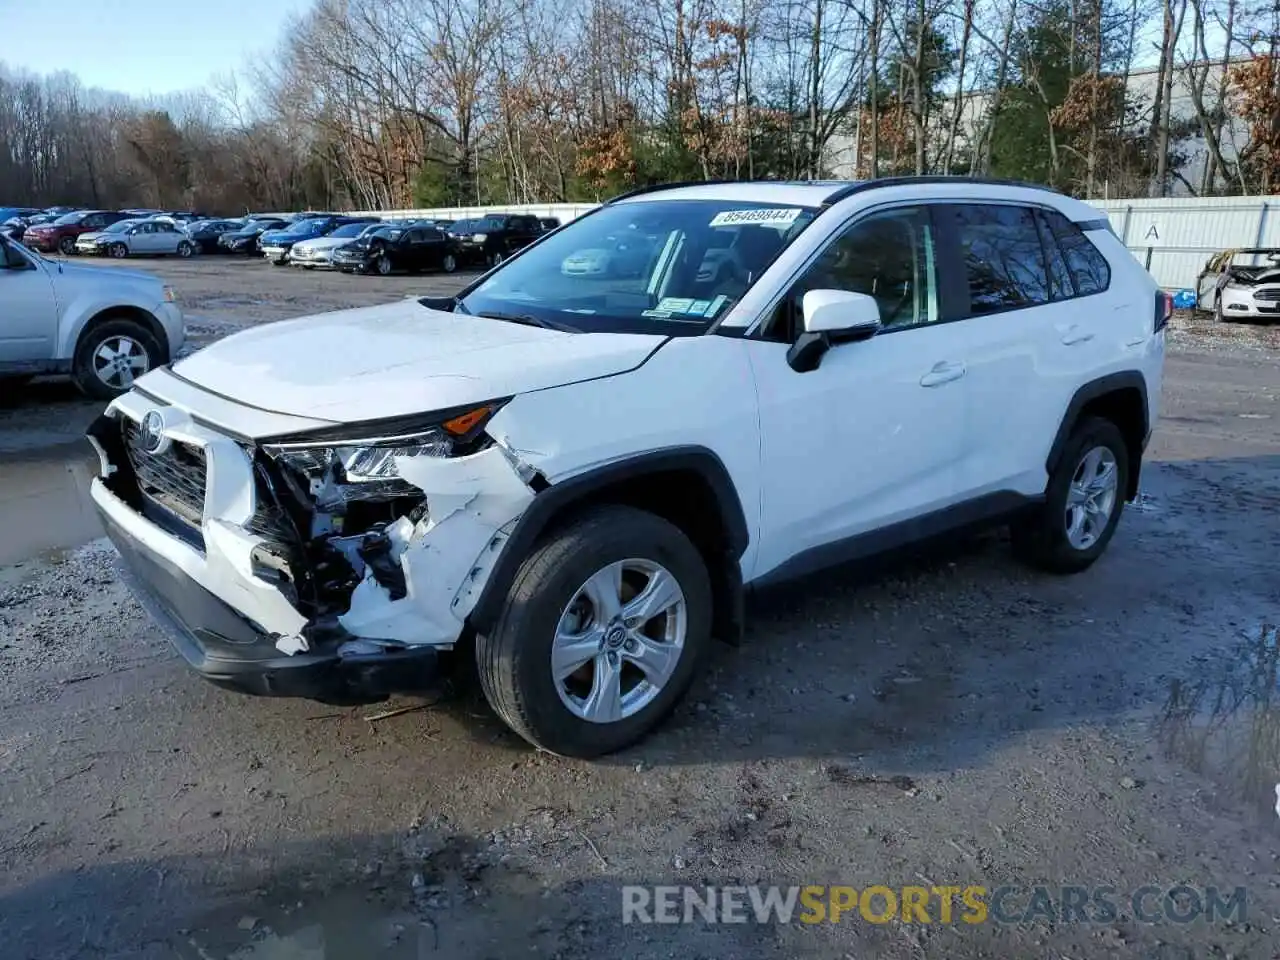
831,315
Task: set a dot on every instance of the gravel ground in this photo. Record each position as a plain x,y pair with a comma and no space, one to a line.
944,720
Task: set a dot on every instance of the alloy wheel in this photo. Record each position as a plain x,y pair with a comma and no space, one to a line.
119,360
618,640
384,265
119,250
67,246
1091,498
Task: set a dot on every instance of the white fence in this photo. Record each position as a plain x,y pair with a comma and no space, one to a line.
1180,234
564,212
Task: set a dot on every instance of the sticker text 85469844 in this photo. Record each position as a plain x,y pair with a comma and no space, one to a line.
771,217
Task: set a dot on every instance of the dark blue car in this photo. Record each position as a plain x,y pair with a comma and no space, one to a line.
276,244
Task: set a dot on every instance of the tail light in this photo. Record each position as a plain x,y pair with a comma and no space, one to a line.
1164,309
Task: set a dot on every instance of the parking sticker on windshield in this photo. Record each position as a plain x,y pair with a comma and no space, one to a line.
779,216
676,308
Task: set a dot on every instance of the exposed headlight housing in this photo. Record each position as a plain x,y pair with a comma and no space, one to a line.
479,237
368,466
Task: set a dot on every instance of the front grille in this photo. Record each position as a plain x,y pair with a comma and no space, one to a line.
1271,294
173,479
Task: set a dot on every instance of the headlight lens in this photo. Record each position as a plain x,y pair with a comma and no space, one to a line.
374,464
479,237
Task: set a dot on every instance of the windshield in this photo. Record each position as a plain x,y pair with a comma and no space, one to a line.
69,219
387,233
120,226
349,230
656,266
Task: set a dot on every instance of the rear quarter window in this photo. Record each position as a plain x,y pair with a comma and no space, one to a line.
1089,268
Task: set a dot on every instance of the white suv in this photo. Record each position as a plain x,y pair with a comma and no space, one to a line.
583,474
105,327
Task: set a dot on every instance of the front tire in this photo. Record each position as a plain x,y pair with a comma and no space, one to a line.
384,265
67,246
1083,501
604,629
111,356
119,251
185,250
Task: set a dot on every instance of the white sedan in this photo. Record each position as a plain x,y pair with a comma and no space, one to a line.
318,253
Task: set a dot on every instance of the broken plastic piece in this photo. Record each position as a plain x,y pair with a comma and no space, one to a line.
376,551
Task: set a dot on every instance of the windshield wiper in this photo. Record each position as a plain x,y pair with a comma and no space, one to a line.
527,320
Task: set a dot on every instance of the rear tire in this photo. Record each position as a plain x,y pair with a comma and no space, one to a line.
552,601
449,263
92,367
1083,501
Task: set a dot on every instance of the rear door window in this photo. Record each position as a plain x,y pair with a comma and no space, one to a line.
1003,257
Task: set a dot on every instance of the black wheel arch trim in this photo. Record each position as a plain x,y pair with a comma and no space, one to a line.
555,499
1112,382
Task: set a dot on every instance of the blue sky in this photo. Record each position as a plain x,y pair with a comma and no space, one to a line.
140,46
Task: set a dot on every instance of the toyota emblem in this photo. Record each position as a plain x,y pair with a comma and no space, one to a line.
150,436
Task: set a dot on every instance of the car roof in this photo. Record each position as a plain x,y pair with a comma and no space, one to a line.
825,193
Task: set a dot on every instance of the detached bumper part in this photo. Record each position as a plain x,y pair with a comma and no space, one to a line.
227,649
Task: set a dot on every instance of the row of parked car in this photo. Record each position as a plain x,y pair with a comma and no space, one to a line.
312,240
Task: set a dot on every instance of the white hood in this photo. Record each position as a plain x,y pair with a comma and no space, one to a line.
400,359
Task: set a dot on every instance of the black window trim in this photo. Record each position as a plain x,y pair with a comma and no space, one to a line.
953,288
951,241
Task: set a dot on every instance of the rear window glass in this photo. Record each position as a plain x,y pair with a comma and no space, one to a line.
1003,257
1089,268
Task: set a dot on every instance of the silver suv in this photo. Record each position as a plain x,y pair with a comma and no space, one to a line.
105,327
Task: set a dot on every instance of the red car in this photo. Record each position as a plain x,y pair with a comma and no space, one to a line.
60,235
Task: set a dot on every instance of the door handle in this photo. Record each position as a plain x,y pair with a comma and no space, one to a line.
1073,335
943,372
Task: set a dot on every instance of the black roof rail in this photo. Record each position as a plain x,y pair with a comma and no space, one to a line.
859,186
849,189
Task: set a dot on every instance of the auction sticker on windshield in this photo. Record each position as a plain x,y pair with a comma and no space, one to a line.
730,218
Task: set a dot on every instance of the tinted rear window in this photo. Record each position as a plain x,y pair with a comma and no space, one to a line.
1003,257
1089,268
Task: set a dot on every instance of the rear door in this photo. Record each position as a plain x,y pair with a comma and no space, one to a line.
1032,338
166,237
430,248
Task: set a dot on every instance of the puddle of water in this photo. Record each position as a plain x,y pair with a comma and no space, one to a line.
45,505
1224,722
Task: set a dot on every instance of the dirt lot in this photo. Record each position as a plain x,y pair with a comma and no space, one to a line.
945,721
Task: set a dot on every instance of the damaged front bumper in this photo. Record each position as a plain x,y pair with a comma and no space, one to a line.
262,590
